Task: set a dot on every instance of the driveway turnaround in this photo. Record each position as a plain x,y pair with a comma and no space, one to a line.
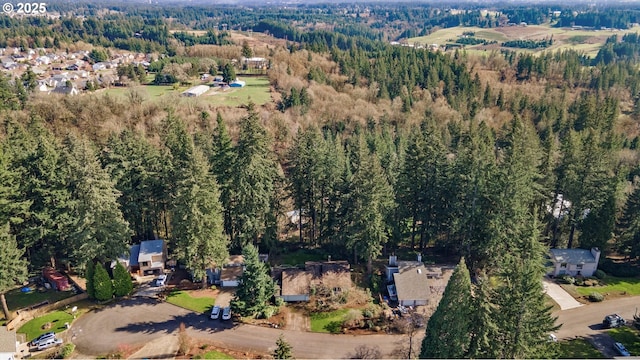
142,321
560,296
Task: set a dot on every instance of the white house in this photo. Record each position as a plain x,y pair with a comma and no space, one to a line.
8,344
196,91
574,262
152,256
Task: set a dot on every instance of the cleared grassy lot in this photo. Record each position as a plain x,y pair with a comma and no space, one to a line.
184,300
213,355
257,89
16,299
329,322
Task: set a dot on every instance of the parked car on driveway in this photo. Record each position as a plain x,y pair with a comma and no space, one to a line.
42,338
613,321
49,343
160,280
215,312
621,349
226,313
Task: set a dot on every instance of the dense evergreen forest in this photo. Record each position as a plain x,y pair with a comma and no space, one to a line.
493,158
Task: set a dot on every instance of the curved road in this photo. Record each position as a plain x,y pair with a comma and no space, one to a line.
140,321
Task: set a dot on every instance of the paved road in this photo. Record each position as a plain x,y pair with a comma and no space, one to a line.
140,321
586,321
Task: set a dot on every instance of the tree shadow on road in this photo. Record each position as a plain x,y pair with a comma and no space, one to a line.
194,321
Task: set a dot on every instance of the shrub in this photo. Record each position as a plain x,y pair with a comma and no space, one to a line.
596,297
65,351
567,279
353,319
600,274
579,281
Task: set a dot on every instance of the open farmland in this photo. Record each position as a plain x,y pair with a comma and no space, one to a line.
588,41
256,90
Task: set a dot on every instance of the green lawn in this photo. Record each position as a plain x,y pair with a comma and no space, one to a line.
578,349
213,355
184,300
257,89
628,337
33,328
17,300
330,322
616,285
301,256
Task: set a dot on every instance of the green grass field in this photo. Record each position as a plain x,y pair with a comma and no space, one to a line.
578,349
330,322
587,41
16,299
627,286
213,355
628,337
34,328
256,90
184,300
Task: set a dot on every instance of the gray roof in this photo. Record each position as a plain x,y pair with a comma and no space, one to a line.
412,283
7,340
572,256
150,247
134,253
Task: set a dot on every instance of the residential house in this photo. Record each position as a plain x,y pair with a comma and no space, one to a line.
152,256
232,271
99,66
8,344
574,262
65,90
255,62
411,286
296,284
415,284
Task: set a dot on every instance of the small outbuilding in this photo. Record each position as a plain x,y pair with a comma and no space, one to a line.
196,91
237,84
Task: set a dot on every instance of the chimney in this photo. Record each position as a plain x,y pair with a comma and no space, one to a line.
392,260
596,254
419,257
329,258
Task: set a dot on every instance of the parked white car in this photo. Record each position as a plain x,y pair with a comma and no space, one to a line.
42,338
226,313
215,312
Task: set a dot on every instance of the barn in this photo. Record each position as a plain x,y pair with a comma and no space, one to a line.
196,91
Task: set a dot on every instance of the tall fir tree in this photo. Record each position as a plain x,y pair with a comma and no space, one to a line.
100,231
222,166
252,181
448,333
256,287
371,201
197,222
13,268
102,283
